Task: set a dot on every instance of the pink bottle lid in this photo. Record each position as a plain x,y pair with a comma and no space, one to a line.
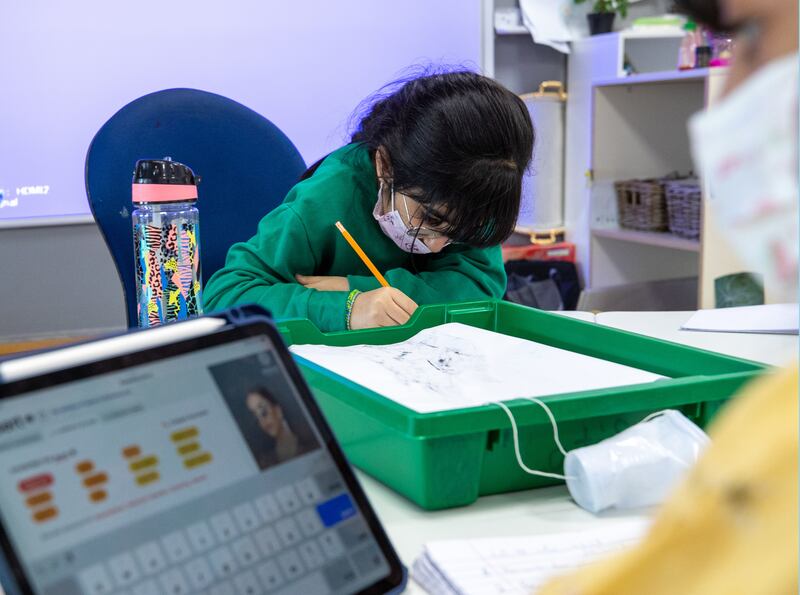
163,180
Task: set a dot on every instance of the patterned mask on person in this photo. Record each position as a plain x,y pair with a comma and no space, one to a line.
395,228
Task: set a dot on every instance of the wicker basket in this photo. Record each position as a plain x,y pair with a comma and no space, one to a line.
642,204
683,206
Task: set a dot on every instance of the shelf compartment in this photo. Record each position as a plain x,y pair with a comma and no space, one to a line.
648,238
668,76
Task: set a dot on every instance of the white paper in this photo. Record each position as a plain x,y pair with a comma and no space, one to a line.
546,20
508,20
517,565
454,366
770,319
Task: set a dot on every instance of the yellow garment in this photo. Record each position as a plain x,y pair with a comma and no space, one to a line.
732,526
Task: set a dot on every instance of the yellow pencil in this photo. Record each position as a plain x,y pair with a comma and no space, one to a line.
361,254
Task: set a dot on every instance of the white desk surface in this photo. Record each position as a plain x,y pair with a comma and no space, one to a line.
530,512
776,350
550,510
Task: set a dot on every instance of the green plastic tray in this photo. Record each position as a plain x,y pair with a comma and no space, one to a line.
447,459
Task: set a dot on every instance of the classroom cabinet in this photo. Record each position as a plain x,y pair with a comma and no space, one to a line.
627,118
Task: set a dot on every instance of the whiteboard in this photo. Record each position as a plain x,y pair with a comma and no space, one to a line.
69,66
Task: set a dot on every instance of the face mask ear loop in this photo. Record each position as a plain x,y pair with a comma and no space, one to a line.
381,186
515,433
408,213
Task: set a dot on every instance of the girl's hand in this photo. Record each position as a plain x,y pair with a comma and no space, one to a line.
386,306
324,283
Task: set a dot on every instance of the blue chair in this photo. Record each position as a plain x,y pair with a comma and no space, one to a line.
246,165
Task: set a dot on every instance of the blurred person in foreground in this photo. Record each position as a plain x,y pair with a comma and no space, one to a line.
732,527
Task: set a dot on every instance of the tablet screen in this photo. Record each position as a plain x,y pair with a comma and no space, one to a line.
202,472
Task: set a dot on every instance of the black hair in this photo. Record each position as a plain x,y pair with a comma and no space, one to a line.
705,12
457,142
262,391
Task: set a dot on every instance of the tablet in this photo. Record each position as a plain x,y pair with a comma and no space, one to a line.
201,465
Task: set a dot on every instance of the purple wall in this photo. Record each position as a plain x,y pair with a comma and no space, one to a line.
68,66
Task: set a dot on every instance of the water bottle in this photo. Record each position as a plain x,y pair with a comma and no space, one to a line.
166,238
686,52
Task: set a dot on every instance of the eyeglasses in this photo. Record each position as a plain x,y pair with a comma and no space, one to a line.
420,231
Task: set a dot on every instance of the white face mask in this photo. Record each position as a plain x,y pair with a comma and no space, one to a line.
746,149
395,228
637,467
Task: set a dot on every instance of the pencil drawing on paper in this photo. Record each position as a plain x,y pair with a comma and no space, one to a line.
439,366
453,366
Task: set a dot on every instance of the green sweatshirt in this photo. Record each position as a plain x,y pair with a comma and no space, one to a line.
299,236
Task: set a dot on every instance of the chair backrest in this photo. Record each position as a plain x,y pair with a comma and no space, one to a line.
245,163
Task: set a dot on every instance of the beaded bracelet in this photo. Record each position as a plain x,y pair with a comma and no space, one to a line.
348,307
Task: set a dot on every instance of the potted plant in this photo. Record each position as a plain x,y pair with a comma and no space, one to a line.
601,19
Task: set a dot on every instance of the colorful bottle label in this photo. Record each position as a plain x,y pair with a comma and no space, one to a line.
168,282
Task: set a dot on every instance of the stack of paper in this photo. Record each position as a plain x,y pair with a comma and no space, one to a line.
772,319
516,565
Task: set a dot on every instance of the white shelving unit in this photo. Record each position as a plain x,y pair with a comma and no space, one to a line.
639,131
655,78
618,126
626,127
